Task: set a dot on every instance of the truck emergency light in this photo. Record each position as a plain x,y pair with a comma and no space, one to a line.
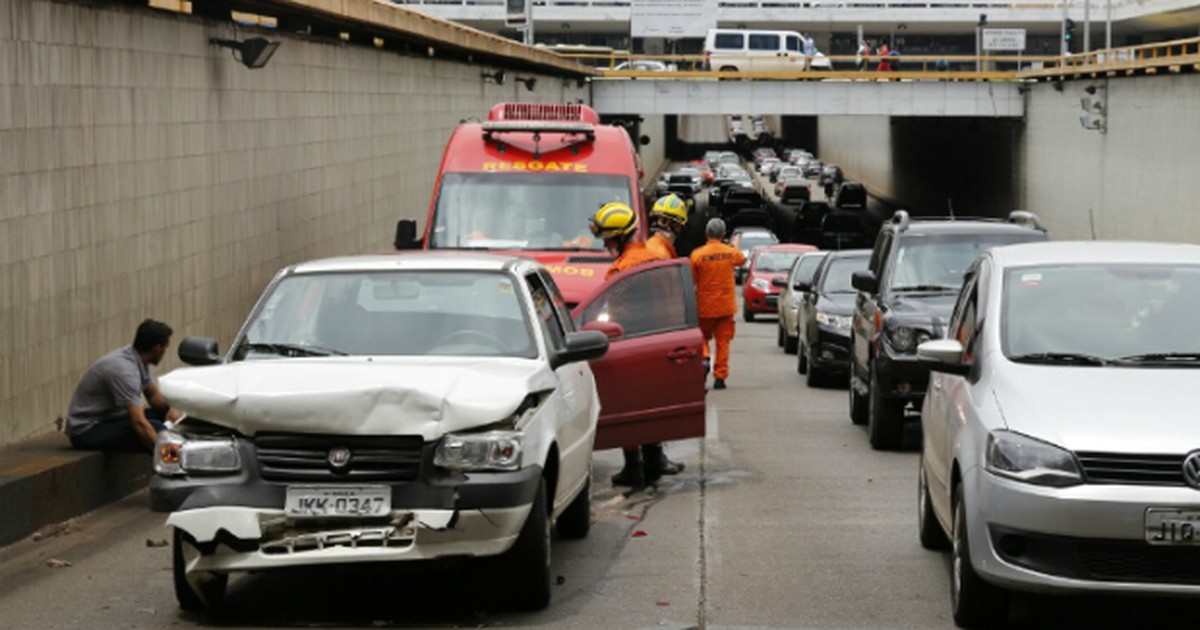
548,112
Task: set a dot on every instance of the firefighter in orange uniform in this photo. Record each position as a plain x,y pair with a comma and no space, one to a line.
667,219
616,223
712,268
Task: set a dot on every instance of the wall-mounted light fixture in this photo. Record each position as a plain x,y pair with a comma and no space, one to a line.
254,53
496,77
529,82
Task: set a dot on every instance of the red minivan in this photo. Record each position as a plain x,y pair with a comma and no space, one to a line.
525,182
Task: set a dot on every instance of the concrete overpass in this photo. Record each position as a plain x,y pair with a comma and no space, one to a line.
809,98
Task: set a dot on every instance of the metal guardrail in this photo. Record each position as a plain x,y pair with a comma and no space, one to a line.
1174,56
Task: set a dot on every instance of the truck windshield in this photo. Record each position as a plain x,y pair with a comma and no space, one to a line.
522,211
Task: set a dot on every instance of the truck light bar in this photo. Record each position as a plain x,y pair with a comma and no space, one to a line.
530,126
560,112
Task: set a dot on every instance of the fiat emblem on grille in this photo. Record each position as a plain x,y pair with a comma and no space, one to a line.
1191,469
339,457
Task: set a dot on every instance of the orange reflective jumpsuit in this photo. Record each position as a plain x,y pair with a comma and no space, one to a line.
634,254
661,247
712,269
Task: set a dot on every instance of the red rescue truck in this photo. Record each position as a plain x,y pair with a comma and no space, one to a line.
526,181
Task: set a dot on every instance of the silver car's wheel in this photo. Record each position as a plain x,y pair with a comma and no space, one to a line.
975,603
932,536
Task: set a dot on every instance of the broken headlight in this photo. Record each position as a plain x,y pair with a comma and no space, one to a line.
493,450
178,454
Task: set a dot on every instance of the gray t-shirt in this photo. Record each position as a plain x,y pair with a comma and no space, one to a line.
108,388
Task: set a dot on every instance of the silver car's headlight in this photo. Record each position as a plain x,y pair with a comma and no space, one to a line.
839,322
178,454
493,450
1025,459
906,339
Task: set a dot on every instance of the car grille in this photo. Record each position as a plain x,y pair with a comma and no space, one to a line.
1097,559
301,457
1122,468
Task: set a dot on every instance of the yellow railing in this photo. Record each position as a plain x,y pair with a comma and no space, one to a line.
1146,58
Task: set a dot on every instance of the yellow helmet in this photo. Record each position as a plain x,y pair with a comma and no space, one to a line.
613,220
670,209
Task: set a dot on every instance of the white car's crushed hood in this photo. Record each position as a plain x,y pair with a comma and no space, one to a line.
357,395
1103,409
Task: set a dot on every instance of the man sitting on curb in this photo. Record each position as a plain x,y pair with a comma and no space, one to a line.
106,411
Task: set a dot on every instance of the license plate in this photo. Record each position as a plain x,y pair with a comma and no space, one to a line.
1172,526
359,501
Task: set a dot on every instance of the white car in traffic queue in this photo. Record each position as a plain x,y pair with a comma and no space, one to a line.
1061,451
415,406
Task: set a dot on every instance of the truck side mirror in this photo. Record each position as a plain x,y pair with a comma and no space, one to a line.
406,235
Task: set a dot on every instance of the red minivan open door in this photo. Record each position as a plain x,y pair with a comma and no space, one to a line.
651,381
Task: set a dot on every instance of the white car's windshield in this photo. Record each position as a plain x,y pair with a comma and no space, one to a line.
937,263
806,267
444,313
522,211
1102,312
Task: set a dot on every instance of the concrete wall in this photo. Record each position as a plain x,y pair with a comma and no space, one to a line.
145,173
861,145
1137,181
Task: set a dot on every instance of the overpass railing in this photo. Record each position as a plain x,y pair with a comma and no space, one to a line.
1173,56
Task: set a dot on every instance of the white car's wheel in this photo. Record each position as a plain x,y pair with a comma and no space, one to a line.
975,603
527,565
196,591
576,521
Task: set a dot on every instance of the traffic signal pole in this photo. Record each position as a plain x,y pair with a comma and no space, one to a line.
1063,35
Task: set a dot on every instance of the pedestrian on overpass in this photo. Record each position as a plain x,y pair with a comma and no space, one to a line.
882,52
616,223
106,412
668,217
713,267
810,50
860,58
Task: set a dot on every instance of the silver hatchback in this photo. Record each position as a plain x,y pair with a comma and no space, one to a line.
1061,448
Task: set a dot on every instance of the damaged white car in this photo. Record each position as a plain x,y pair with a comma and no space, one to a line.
381,409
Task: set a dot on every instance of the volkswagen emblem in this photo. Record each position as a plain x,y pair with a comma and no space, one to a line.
339,457
1191,469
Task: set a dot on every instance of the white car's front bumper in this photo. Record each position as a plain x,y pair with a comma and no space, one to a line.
1085,538
248,539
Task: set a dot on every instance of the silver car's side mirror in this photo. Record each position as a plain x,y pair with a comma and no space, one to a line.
943,355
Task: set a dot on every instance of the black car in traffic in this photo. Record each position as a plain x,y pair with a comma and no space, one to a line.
826,312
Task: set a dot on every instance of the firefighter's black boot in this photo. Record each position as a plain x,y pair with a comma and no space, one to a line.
632,475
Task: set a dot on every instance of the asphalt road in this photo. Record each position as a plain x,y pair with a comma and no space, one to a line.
783,518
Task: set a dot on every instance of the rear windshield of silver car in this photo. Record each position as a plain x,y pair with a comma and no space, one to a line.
1132,314
396,313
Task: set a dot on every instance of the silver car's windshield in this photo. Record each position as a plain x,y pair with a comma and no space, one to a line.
937,262
1098,313
522,211
443,313
806,267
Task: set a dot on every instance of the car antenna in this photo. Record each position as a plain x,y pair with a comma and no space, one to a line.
950,206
